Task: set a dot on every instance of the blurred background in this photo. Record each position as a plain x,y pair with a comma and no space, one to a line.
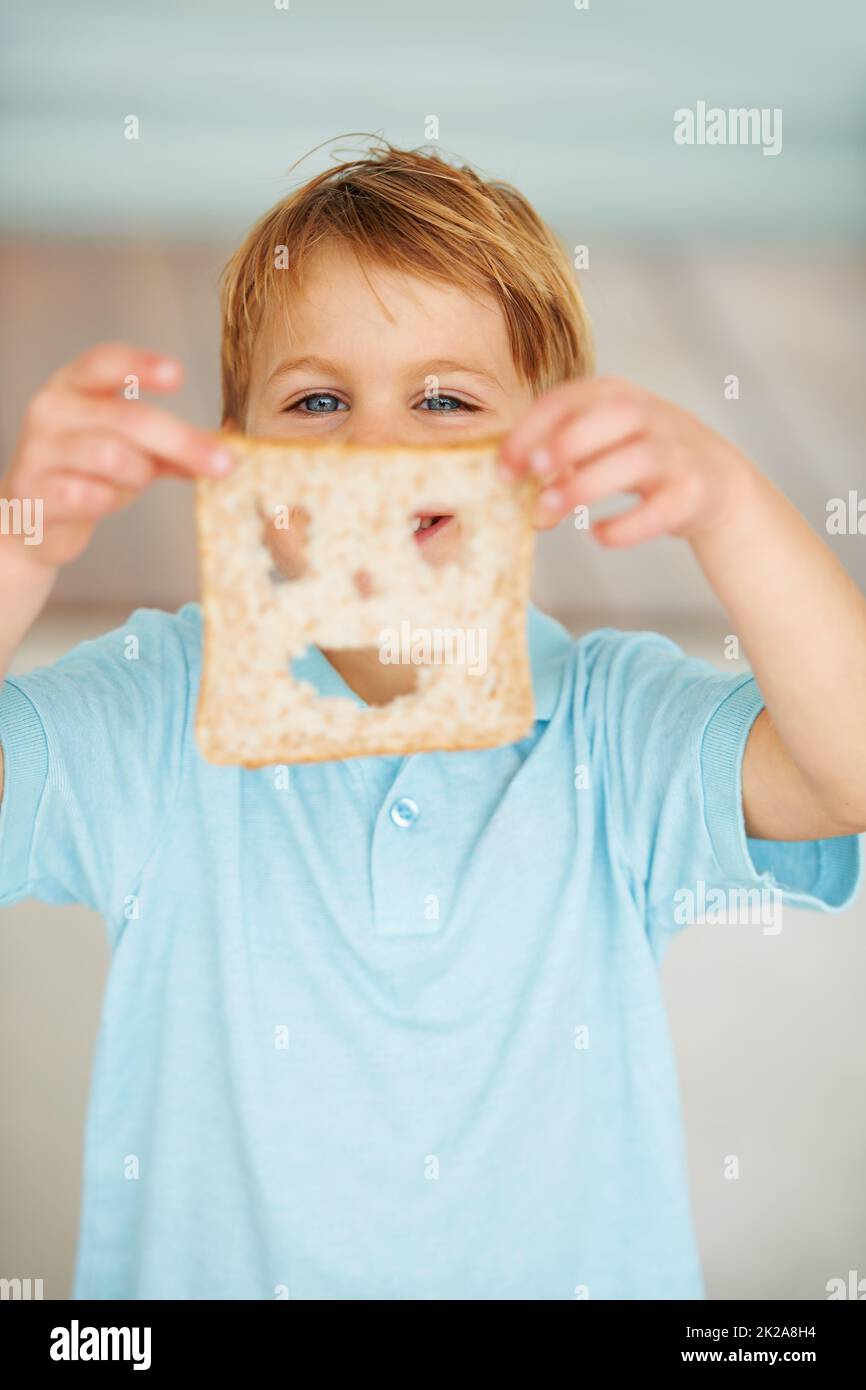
703,262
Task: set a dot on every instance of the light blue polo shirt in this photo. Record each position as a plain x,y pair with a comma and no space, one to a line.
389,1028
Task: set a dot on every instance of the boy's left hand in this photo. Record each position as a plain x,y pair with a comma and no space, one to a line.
588,440
804,764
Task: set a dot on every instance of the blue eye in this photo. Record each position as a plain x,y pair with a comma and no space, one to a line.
444,404
319,403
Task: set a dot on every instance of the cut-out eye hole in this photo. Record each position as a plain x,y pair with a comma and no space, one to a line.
438,535
285,532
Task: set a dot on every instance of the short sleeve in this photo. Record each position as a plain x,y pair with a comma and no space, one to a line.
93,749
674,734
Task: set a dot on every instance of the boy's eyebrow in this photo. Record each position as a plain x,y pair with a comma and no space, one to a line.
423,368
294,364
447,364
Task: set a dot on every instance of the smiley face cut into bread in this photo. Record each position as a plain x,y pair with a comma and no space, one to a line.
358,578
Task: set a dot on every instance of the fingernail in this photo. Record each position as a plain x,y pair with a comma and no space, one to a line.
166,369
551,498
221,461
539,461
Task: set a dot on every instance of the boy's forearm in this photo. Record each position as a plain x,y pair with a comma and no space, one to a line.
24,588
802,622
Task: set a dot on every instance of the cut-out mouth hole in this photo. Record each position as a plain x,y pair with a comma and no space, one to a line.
365,664
437,535
286,533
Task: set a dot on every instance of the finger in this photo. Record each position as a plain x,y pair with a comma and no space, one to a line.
170,470
109,457
109,367
552,504
541,417
550,508
630,468
79,497
582,436
149,429
653,517
549,411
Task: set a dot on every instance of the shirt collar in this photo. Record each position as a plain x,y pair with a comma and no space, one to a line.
548,642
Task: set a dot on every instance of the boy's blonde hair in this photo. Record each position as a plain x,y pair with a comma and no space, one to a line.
412,212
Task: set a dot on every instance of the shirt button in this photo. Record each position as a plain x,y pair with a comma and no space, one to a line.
404,812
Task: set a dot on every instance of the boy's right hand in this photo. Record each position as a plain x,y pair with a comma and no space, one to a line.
86,451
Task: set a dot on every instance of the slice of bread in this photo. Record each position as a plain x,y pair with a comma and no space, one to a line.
359,503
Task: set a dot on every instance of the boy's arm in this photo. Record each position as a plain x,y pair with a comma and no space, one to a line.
802,622
24,587
84,451
800,617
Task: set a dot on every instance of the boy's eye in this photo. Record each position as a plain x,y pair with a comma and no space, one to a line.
319,403
445,403
326,403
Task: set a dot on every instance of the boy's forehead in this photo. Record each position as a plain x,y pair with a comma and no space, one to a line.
338,302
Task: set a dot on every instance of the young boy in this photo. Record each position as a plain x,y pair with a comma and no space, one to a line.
306,1085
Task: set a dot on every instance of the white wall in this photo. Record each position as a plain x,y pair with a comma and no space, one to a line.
576,107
